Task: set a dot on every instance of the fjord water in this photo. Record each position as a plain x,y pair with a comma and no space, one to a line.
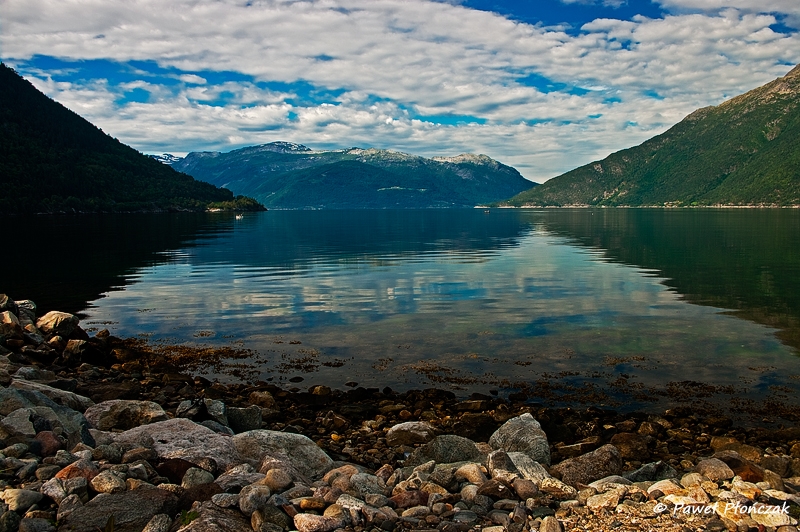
620,306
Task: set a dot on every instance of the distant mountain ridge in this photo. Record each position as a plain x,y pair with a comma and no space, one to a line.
745,151
292,176
52,160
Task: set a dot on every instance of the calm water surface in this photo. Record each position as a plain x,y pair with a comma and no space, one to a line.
636,304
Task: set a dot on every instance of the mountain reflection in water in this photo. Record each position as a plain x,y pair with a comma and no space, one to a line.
745,260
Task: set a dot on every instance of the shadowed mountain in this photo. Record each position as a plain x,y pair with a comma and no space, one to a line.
52,160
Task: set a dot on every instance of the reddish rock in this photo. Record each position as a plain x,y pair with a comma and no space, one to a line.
262,399
384,472
495,488
50,443
312,503
346,470
579,448
726,443
407,499
81,468
525,488
139,453
749,471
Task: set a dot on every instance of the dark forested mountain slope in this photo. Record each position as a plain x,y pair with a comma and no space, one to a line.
53,160
745,151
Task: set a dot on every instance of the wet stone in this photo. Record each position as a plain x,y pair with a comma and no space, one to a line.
446,449
410,433
523,434
467,517
714,469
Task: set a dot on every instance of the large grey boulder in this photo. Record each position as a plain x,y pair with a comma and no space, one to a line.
182,438
19,423
11,399
60,323
62,397
525,435
124,414
410,432
445,449
244,419
237,477
132,510
212,518
602,462
297,449
528,468
72,422
32,373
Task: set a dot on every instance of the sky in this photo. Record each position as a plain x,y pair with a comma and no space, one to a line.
541,85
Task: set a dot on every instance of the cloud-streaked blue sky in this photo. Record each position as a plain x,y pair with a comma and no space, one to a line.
543,85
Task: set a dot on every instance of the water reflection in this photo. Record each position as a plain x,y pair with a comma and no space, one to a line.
298,240
461,299
740,259
64,262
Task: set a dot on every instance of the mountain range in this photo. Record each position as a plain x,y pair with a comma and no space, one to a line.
52,160
292,176
745,151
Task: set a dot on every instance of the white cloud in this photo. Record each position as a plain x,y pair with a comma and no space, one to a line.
191,78
788,9
623,81
606,3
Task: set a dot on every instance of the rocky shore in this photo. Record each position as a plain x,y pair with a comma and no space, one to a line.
101,433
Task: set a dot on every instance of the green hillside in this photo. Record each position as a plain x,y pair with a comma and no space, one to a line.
745,151
292,176
52,160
